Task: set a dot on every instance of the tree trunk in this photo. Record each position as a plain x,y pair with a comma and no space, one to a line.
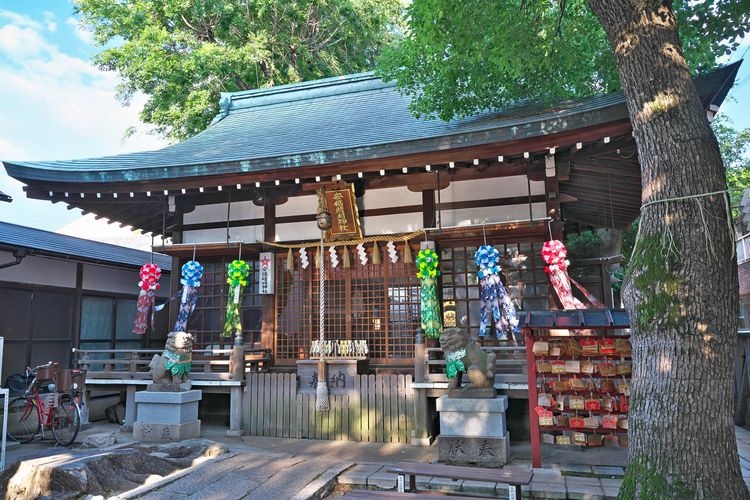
681,292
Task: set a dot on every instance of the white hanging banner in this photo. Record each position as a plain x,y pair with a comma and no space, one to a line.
266,269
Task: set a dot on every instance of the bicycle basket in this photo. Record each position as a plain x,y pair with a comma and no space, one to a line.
66,379
48,372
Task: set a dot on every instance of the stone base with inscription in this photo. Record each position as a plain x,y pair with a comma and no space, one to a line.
163,417
473,431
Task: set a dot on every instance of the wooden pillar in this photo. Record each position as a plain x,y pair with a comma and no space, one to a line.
420,435
268,318
174,278
536,450
551,187
428,208
237,374
130,405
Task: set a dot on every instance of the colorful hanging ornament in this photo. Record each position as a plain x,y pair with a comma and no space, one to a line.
192,272
495,299
303,258
427,272
454,363
392,254
149,284
554,254
237,273
362,254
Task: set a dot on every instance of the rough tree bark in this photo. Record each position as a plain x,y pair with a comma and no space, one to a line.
682,292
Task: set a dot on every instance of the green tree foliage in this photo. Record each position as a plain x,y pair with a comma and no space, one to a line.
459,58
183,53
735,151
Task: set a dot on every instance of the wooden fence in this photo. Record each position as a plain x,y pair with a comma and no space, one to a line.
380,408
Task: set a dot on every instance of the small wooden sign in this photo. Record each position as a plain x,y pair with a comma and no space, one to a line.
266,269
342,206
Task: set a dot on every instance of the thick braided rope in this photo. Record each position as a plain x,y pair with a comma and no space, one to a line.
322,296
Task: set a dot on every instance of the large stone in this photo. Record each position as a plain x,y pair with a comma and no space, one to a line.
99,440
467,417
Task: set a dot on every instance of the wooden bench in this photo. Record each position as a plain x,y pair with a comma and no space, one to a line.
365,494
513,476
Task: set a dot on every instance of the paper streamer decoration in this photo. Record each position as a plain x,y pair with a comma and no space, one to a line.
392,254
303,258
554,254
237,273
495,299
149,284
347,263
192,272
334,257
427,272
362,254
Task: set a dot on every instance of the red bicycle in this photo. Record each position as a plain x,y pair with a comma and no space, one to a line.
34,412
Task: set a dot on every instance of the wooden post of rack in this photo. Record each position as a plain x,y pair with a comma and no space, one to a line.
536,451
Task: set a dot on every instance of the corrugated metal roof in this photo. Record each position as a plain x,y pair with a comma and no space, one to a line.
41,242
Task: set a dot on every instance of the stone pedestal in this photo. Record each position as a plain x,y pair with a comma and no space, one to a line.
473,431
164,417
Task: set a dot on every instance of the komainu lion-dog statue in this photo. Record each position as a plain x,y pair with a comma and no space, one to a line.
463,355
173,365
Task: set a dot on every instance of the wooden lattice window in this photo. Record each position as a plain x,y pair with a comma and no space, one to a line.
523,271
378,303
207,321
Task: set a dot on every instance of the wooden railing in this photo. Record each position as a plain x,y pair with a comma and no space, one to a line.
208,364
510,365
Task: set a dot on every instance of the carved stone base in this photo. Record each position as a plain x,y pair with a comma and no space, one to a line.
166,433
490,452
167,416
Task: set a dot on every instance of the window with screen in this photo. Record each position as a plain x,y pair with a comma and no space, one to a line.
522,273
207,321
378,303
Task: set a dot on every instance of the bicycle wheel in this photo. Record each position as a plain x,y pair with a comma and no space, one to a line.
66,420
23,420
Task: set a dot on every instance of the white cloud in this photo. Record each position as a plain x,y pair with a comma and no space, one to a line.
62,107
81,32
20,19
50,21
18,43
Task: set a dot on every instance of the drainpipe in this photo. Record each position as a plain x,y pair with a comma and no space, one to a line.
19,254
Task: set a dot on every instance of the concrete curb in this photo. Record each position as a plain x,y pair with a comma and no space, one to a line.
323,484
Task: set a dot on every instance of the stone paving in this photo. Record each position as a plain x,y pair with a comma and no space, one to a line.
257,467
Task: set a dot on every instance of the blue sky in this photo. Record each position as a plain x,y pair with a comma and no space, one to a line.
55,105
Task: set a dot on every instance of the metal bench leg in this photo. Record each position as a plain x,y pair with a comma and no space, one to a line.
400,479
514,492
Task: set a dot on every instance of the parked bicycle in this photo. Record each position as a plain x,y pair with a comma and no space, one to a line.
37,411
